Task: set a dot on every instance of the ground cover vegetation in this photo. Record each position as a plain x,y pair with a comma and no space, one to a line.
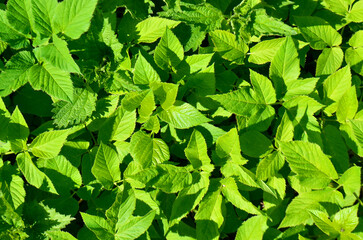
181,119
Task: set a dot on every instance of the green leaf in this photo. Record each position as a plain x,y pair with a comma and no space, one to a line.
48,144
182,115
347,219
335,147
12,186
351,182
72,17
209,217
347,105
270,165
322,221
106,166
98,225
253,228
51,80
353,135
318,32
169,52
148,151
354,57
10,35
298,211
231,193
16,73
255,144
335,86
227,45
306,159
355,14
60,235
263,52
119,126
135,227
70,113
166,93
32,174
196,151
43,12
329,61
172,179
18,14
189,197
18,131
123,207
285,66
228,147
339,7
144,73
62,173
58,55
152,28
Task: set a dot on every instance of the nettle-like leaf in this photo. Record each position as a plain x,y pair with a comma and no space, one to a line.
176,119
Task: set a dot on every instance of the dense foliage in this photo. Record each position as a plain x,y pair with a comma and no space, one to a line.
181,119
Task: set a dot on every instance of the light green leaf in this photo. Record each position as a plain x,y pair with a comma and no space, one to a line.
285,66
232,194
99,226
263,52
16,72
32,174
356,40
285,131
123,207
12,186
227,45
48,144
270,165
355,14
73,17
347,105
189,197
306,159
347,219
228,147
322,221
10,35
329,61
172,178
18,14
169,52
51,80
62,173
152,28
136,226
298,210
144,73
106,166
351,181
334,88
337,6
119,126
252,229
148,151
300,87
57,54
318,32
354,57
182,115
263,87
166,93
209,217
43,12
60,235
18,131
196,151
70,113
352,132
